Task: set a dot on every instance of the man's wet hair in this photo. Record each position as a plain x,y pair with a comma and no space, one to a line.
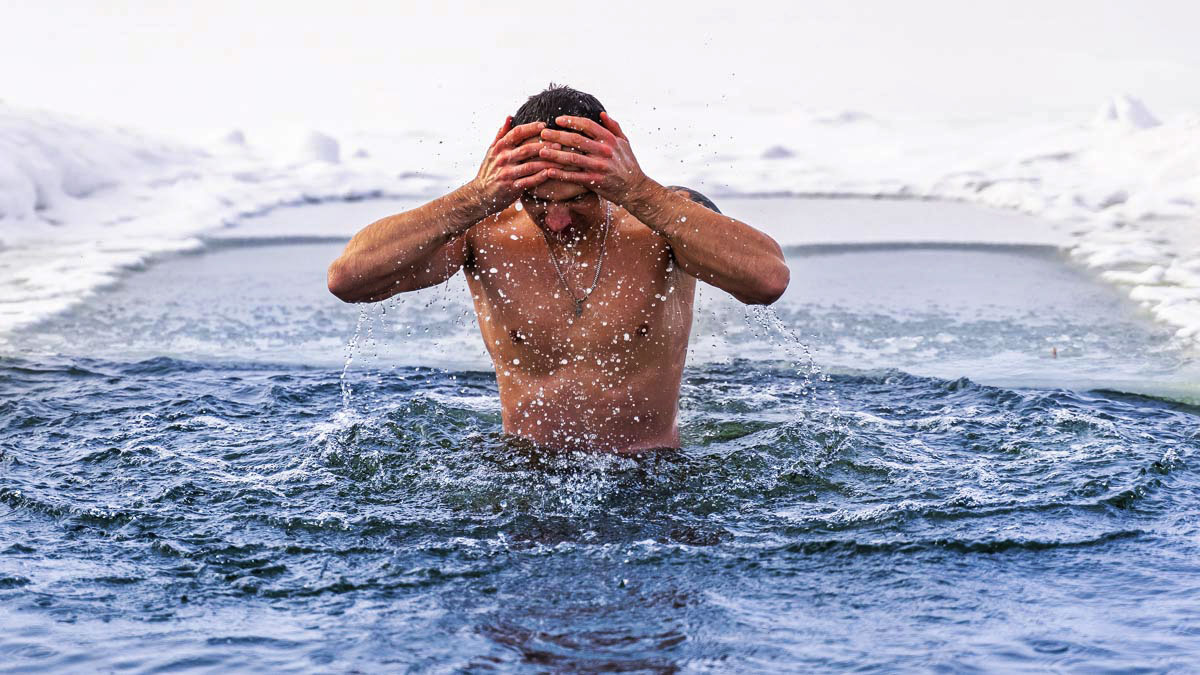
555,100
559,99
696,197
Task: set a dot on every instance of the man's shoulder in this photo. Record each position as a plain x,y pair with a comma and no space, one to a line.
695,195
496,226
504,234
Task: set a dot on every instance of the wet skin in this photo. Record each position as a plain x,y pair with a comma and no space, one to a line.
605,378
609,377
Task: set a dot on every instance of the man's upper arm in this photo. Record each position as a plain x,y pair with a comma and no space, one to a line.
697,197
442,264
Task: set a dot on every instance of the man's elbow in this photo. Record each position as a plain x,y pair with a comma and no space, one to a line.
772,285
341,282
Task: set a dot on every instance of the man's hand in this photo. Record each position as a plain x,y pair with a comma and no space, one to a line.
604,162
510,168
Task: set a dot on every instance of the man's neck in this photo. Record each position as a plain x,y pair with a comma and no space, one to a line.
583,233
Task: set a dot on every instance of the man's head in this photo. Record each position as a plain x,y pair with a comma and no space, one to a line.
555,100
546,106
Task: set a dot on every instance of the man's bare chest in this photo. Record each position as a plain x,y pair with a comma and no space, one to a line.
528,308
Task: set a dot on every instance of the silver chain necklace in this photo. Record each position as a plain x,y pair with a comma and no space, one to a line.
599,264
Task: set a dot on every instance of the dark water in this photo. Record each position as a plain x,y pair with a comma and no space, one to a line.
223,506
178,515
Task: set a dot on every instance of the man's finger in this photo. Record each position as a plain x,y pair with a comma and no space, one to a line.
611,125
524,152
573,140
587,127
572,159
526,169
580,177
517,135
532,181
503,129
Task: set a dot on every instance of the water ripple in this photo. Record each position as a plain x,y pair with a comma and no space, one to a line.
168,489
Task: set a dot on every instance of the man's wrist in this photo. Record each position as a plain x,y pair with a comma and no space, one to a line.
467,206
472,196
479,202
649,203
643,196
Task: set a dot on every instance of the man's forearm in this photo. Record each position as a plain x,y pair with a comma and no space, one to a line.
720,250
391,245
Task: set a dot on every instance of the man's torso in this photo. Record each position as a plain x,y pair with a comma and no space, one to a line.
608,378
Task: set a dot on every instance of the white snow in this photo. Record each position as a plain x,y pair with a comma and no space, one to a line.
80,203
46,162
1125,185
1125,112
319,147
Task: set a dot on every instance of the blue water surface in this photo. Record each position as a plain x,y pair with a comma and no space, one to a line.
988,462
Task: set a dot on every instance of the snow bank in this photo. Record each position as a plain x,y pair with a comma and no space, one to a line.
319,147
1126,186
46,162
1130,188
1125,112
80,203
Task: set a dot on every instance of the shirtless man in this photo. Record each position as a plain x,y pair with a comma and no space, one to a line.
583,271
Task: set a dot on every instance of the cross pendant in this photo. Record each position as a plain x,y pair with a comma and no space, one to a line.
579,308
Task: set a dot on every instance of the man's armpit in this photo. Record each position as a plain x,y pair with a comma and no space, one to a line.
468,253
695,196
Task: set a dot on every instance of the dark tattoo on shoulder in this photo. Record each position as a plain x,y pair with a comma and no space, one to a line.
695,196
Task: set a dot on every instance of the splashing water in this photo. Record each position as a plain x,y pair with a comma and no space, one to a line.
350,348
244,490
178,494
